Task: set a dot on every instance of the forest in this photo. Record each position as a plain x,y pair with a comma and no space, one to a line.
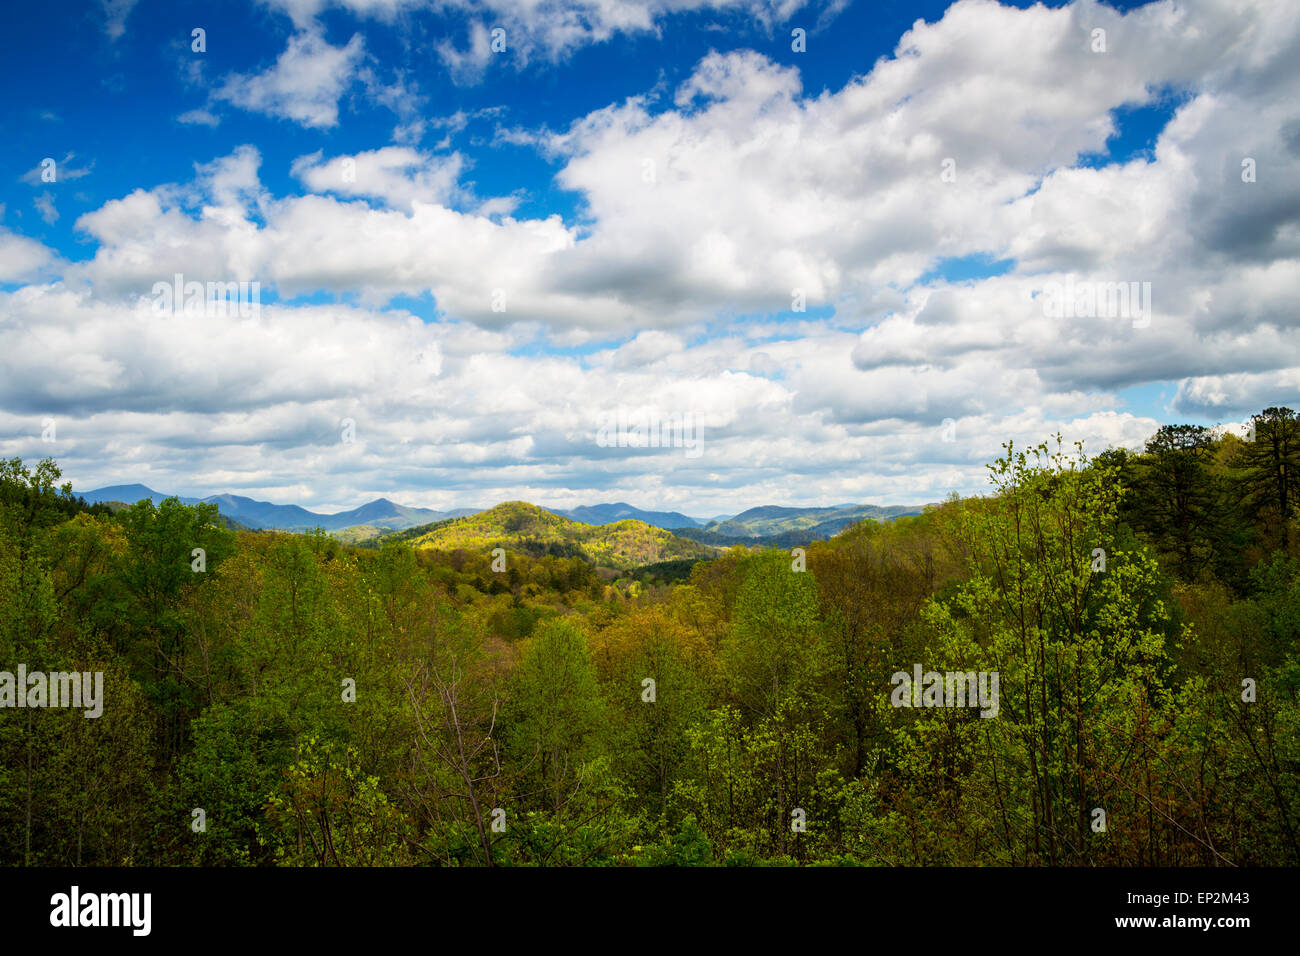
276,699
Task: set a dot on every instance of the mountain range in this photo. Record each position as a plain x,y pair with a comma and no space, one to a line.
788,527
262,515
768,524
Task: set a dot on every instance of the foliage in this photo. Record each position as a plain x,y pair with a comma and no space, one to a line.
620,696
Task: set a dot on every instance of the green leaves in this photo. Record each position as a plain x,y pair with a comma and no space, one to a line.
559,712
553,711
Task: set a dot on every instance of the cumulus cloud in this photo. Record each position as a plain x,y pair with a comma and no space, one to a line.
399,176
748,191
23,259
304,85
208,403
710,213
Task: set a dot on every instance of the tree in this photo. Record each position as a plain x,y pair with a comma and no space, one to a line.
1079,648
1176,495
171,550
553,714
650,720
776,650
456,704
1274,459
28,613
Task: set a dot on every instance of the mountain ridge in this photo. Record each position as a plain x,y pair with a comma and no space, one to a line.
777,526
772,524
610,513
264,515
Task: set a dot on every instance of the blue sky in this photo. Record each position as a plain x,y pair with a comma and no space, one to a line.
831,261
104,101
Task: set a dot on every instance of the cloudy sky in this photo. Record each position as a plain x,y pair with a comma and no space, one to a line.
824,232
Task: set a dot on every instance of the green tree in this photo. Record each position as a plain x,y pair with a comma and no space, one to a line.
553,715
1274,460
1076,631
1177,496
776,651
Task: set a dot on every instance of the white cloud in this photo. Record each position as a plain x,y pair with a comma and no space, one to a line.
551,30
44,204
748,191
683,268
23,259
198,117
304,85
469,64
115,15
207,405
63,170
398,175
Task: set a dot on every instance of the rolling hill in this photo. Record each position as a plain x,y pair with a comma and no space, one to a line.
518,525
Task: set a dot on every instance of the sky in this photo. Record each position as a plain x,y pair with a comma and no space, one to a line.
846,249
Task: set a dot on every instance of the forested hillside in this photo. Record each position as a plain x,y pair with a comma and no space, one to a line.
280,699
528,529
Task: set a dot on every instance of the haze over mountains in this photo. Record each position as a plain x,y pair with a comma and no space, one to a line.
768,523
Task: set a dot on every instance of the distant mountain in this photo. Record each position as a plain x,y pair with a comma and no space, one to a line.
767,525
774,519
622,511
129,494
788,527
263,514
381,513
518,525
389,515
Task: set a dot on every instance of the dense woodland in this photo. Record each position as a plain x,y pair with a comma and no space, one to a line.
1128,601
